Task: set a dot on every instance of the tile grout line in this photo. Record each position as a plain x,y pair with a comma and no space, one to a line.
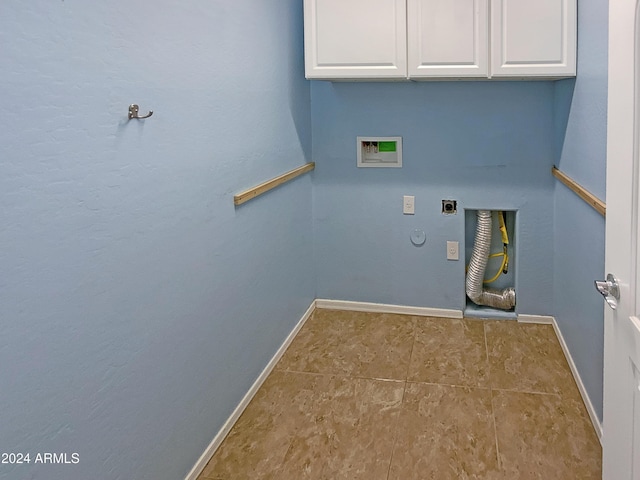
493,409
413,345
396,431
343,375
404,392
527,392
451,385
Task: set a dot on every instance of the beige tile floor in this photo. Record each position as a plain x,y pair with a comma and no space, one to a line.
382,396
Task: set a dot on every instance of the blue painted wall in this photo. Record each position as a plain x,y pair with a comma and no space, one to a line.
137,304
489,145
579,231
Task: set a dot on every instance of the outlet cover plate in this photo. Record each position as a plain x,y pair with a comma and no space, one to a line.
453,251
409,205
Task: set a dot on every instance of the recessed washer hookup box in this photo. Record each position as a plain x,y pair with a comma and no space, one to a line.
379,152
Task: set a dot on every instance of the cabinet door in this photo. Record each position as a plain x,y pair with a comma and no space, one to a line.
355,39
448,38
533,38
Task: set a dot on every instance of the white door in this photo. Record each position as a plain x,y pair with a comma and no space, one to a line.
621,422
448,39
355,39
533,38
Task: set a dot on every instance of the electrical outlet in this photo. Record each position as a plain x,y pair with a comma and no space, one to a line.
449,207
408,205
452,251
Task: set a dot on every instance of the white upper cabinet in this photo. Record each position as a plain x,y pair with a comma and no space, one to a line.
439,39
533,38
448,38
350,39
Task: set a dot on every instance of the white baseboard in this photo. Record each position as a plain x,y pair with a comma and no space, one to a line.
384,308
597,426
233,418
543,319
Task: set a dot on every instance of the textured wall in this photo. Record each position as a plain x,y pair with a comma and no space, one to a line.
581,131
137,304
485,144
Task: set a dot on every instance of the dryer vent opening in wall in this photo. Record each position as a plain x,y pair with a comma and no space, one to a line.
379,152
490,252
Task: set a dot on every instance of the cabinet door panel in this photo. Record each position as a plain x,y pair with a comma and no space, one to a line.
533,38
355,38
447,38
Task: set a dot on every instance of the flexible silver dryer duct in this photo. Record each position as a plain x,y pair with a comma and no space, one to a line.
505,299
